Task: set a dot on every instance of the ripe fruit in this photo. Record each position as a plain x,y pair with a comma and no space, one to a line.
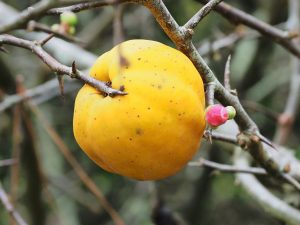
152,132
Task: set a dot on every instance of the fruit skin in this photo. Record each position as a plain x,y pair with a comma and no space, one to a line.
152,132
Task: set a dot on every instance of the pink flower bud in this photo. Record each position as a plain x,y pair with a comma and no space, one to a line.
216,115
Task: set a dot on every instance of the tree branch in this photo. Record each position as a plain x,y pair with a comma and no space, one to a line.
34,26
57,67
22,18
85,6
235,15
10,208
195,20
264,198
227,168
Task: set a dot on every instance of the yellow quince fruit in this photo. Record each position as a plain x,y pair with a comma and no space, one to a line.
152,132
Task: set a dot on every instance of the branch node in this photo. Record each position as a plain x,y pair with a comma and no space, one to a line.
74,70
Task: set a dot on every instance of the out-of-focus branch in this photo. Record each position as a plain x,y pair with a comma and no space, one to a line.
208,47
40,8
10,208
57,67
8,162
286,119
76,166
193,22
71,52
237,16
34,26
22,18
264,197
38,94
227,168
85,6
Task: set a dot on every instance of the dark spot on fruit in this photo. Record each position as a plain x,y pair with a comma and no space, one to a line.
179,114
173,87
118,138
159,123
138,131
138,116
148,108
95,118
130,139
139,59
171,101
159,86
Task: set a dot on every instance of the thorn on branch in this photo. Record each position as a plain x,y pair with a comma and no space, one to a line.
208,135
74,70
266,141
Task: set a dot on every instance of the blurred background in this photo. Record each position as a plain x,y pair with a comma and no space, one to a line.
43,180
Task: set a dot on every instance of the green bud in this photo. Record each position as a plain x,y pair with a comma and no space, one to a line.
69,18
231,112
55,27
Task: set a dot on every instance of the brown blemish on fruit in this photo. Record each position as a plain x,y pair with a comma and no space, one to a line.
139,131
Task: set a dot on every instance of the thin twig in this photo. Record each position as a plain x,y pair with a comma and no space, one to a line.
237,16
43,91
46,39
76,166
35,26
208,47
31,12
228,168
222,137
57,67
84,6
205,10
287,118
262,195
10,208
